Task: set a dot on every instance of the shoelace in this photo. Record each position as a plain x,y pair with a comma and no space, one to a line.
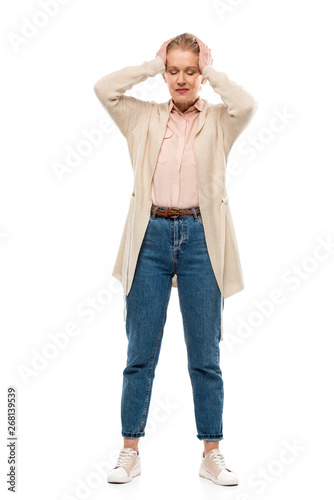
124,457
218,458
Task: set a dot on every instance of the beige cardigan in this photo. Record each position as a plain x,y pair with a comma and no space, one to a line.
143,124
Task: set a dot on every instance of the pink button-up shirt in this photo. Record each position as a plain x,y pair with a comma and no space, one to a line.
174,183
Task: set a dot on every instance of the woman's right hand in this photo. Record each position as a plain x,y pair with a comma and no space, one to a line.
162,51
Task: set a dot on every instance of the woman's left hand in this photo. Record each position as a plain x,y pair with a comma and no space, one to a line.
204,55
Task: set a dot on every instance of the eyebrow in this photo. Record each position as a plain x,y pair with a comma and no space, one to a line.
188,67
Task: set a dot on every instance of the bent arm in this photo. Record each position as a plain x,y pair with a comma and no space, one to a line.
125,110
239,105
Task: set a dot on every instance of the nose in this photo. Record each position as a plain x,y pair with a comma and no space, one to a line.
180,79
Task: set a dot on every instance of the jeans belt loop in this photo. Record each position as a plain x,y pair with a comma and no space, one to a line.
195,214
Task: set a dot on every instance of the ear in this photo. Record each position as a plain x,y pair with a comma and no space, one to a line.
204,80
164,76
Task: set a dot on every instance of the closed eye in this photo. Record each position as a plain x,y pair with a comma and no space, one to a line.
187,73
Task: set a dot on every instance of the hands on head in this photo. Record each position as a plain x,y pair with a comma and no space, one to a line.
204,57
162,51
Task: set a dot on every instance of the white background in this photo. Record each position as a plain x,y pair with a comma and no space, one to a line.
59,237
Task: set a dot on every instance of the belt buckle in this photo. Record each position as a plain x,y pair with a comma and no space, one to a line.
177,215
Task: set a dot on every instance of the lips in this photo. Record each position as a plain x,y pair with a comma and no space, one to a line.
182,90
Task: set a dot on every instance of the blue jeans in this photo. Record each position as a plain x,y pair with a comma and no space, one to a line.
173,246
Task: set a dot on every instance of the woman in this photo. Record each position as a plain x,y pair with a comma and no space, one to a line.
178,232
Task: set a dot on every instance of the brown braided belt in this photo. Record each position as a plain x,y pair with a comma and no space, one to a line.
173,212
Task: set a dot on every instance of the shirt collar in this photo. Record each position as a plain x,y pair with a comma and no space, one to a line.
198,104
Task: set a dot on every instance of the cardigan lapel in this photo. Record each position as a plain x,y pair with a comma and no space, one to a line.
202,116
164,115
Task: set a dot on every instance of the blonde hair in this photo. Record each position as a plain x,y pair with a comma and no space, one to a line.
185,41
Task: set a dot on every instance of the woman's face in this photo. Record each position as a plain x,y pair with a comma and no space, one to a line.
183,73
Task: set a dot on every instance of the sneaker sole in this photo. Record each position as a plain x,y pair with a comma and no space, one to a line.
206,475
118,481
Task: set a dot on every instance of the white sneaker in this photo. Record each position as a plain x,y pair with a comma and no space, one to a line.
126,468
213,467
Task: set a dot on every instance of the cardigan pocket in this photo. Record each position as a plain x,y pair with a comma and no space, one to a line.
162,158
